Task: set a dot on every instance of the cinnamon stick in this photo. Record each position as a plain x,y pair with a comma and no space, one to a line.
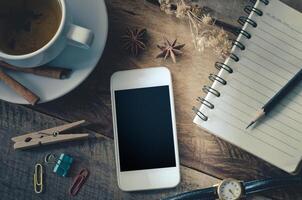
46,71
21,90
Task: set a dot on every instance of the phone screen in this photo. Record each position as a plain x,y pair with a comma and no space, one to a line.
145,129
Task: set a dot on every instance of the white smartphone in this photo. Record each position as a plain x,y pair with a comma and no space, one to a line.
144,129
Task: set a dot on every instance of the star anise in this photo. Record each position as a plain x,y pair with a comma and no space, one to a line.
170,50
135,41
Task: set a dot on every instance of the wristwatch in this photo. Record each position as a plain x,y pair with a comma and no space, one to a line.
232,189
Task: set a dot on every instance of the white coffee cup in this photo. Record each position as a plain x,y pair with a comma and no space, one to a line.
67,34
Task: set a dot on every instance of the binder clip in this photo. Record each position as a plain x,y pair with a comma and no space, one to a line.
63,165
78,182
38,178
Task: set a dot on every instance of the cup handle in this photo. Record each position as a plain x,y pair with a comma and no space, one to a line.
79,36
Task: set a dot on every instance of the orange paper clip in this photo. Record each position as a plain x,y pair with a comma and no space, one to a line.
78,182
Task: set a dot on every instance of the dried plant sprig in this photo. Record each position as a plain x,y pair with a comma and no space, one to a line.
206,35
207,20
167,6
204,32
182,9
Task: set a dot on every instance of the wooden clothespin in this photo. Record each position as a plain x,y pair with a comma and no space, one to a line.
48,136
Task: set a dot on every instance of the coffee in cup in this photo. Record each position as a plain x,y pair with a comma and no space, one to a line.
34,32
28,25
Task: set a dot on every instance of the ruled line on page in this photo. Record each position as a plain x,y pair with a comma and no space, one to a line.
253,108
262,101
267,68
239,121
273,135
249,110
289,63
254,79
289,98
293,29
260,92
255,105
285,42
260,70
274,90
267,97
282,31
247,70
269,65
264,136
255,137
293,106
262,67
277,47
260,104
270,61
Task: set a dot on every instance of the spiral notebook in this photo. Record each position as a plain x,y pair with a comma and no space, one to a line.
265,56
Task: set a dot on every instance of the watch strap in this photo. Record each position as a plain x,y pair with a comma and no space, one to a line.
270,183
202,194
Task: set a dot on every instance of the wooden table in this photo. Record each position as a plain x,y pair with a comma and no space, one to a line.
204,158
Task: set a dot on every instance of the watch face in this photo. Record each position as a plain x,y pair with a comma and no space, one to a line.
229,189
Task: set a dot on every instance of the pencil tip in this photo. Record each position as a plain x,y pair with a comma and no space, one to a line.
250,125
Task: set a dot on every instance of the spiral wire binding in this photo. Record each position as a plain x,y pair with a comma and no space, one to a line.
214,77
234,57
243,19
249,9
244,33
222,66
207,89
205,102
238,44
266,2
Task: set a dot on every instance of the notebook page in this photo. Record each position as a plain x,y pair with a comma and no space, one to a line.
271,58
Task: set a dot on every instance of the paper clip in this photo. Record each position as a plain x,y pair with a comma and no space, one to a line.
78,182
50,159
38,178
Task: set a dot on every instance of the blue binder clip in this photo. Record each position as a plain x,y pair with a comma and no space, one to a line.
63,165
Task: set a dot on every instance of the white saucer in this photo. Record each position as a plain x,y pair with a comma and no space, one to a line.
91,14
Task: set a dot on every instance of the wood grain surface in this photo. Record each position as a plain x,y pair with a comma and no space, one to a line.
204,158
96,154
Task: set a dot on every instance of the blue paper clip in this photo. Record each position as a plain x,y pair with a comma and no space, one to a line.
63,165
